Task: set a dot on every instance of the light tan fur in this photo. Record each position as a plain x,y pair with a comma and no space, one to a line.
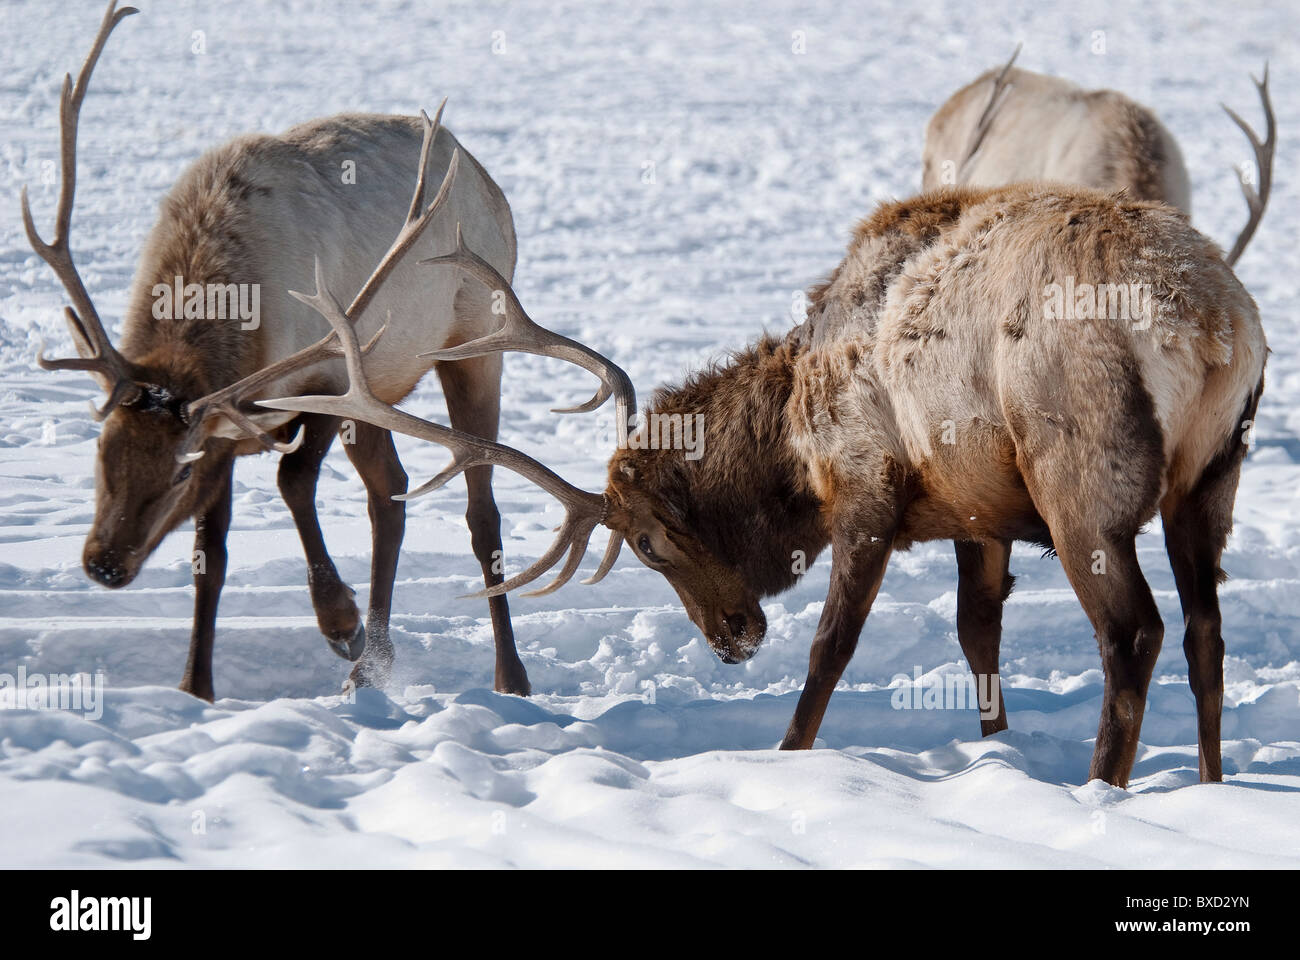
960,338
260,209
1047,128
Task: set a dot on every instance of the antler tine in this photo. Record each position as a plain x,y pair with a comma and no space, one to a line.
990,109
121,390
519,332
431,128
226,400
583,510
575,534
93,363
575,531
410,231
89,335
612,549
1256,200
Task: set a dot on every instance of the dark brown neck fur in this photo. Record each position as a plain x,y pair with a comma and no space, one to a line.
747,499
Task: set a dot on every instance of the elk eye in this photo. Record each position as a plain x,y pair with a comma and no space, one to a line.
183,475
644,546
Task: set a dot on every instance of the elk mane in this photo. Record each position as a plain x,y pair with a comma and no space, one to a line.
202,236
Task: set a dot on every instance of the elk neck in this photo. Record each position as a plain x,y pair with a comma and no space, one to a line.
183,324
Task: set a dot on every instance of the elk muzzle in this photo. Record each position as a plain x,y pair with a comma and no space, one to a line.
107,566
735,637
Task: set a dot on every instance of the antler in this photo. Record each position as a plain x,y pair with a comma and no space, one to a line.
583,510
990,109
519,332
226,402
1256,200
98,355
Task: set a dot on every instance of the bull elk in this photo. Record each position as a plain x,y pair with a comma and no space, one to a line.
1011,125
178,413
936,392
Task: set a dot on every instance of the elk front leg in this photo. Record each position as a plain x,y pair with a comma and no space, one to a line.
375,458
485,537
473,391
983,585
858,560
209,562
336,611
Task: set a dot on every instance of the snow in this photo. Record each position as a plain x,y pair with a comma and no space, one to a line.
640,748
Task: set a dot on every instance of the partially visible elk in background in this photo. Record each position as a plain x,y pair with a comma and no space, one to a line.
255,212
1011,125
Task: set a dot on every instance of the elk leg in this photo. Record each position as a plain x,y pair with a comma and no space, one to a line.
1108,581
210,529
375,458
983,584
336,611
1194,552
1196,532
473,391
1096,488
858,563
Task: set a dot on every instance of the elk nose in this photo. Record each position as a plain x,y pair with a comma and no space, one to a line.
735,625
105,572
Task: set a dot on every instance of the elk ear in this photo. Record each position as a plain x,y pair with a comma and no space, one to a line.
268,421
628,470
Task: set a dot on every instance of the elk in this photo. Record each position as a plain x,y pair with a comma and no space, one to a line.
180,389
1012,125
936,392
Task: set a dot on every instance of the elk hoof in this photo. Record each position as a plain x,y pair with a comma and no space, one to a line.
203,691
514,682
349,647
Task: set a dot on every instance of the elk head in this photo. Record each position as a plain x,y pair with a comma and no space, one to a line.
147,482
716,594
142,492
730,521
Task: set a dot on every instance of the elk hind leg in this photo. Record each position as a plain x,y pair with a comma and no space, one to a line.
1196,531
1096,480
983,585
1095,537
